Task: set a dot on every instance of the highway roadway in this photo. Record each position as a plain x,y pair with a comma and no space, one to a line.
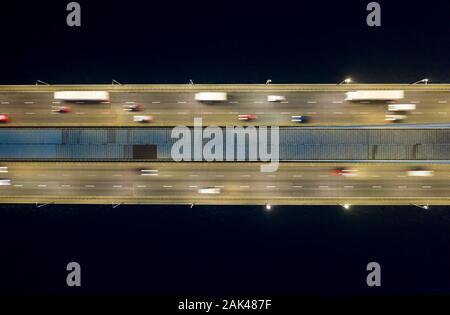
325,106
239,183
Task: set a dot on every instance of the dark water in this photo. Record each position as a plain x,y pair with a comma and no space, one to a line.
170,250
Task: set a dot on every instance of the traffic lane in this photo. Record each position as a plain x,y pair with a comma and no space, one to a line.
173,181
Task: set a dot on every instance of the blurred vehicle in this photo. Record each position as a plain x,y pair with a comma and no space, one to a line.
247,117
395,118
401,107
5,182
142,119
299,118
420,173
211,96
209,190
276,98
3,169
133,108
374,95
92,96
62,109
4,118
344,172
149,173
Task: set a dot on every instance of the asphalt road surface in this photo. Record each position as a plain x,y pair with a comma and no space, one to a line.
235,183
178,107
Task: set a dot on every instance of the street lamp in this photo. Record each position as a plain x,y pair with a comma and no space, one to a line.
425,207
268,81
425,81
346,81
346,206
268,207
191,82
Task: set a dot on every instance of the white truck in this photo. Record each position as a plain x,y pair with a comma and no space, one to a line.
375,95
211,96
89,96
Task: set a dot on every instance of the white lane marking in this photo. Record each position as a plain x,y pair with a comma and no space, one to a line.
65,186
415,102
105,102
30,113
297,186
271,186
233,102
427,187
312,102
181,102
42,175
442,113
92,175
376,187
284,102
234,113
258,102
260,113
156,102
402,187
28,102
207,113
338,113
141,186
18,185
117,186
417,113
117,175
376,176
348,187
323,187
5,102
130,102
363,113
243,186
285,113
194,175
66,175
42,186
337,102
193,186
219,186
167,186
89,186
156,113
443,102
182,113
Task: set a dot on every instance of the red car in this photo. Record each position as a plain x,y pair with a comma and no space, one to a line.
62,109
247,117
4,118
344,172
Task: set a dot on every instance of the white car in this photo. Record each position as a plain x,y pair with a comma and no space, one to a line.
5,182
209,190
142,118
276,98
149,173
401,107
395,118
420,173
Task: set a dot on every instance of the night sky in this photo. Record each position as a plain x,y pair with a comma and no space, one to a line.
178,251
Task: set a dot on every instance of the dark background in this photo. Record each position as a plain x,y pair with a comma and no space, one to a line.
224,251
